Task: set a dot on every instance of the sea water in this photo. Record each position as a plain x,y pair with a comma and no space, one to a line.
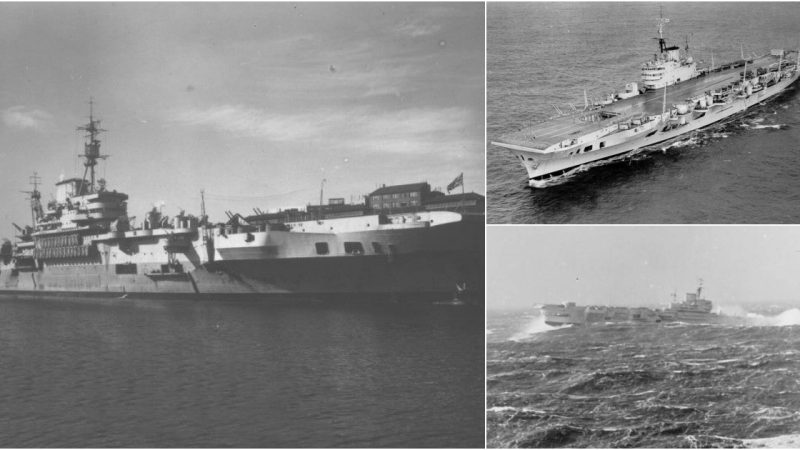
643,385
227,373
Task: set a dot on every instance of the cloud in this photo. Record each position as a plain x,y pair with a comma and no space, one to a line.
411,130
24,118
417,28
247,122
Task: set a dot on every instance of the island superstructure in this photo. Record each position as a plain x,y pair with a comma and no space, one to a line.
668,66
677,100
84,243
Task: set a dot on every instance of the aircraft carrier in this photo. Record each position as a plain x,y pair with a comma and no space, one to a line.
83,243
693,309
676,99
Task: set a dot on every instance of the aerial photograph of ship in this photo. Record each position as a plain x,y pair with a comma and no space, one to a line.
590,344
242,225
633,108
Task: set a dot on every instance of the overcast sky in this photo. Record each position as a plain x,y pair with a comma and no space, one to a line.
641,265
255,102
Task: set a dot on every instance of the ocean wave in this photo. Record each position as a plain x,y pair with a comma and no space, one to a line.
781,441
549,436
682,143
535,326
513,409
775,127
787,318
775,413
601,381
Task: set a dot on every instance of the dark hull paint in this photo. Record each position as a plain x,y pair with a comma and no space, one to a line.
425,276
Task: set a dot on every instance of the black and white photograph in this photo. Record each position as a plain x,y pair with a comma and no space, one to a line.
642,112
242,225
643,336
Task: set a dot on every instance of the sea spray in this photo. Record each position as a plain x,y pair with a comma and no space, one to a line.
534,326
787,318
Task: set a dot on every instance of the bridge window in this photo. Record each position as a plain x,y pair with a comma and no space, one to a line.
322,248
602,144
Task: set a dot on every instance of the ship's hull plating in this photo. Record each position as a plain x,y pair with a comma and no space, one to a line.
432,276
454,263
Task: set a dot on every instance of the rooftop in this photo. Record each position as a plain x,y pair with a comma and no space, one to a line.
401,188
455,197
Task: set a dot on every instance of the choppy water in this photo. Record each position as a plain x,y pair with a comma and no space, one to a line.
626,385
538,54
155,373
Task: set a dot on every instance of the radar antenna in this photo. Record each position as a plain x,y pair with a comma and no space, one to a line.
91,148
699,287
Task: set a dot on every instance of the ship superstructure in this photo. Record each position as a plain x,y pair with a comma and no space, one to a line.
668,66
693,308
554,150
83,242
571,314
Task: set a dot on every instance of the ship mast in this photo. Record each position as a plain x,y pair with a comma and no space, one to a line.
321,187
91,148
661,21
35,198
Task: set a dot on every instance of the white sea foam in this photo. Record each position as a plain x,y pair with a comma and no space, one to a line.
681,144
502,409
783,441
534,326
499,409
761,127
787,318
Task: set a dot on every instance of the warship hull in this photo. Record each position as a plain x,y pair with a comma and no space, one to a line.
431,263
548,169
83,243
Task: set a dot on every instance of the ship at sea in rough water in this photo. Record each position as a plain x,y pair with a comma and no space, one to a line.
83,243
677,99
693,309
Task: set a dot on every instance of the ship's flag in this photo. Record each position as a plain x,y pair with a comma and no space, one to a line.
459,181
